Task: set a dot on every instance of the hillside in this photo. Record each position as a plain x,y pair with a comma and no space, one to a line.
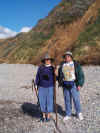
72,25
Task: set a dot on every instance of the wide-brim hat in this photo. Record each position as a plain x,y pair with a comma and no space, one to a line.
47,57
68,53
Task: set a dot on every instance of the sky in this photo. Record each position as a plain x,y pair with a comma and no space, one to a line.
21,15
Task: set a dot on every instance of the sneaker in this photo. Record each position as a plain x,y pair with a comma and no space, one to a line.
80,116
66,118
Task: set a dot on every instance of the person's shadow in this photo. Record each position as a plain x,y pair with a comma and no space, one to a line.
60,110
31,109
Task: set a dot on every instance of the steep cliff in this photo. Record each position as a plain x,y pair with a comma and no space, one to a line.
67,27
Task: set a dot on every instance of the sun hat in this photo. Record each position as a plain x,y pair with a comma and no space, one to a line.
47,57
68,53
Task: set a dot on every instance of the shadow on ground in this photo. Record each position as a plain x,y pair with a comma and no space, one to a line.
60,111
31,110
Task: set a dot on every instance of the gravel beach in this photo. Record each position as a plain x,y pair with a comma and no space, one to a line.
18,104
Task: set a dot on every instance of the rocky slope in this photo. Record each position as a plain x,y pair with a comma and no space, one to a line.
58,32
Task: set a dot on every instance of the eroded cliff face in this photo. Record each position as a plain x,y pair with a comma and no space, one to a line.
55,34
68,38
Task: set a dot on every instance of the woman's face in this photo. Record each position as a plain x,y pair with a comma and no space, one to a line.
47,61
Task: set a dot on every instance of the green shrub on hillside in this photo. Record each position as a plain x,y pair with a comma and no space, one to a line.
89,36
87,44
30,45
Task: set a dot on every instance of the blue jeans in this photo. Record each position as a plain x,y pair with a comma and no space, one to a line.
72,93
46,99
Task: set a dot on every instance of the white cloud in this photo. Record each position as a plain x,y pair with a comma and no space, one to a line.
25,29
6,33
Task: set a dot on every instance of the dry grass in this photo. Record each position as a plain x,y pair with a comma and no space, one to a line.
65,37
